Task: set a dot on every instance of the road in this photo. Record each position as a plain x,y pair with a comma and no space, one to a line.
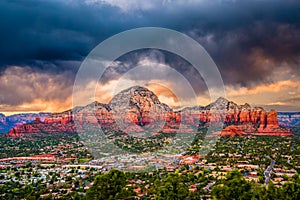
209,185
267,173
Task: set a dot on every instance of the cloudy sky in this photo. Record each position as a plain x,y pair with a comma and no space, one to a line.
255,44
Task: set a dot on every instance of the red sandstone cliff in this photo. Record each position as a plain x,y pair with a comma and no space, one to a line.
51,126
137,107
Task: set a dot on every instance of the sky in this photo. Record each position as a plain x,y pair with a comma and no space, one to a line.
255,45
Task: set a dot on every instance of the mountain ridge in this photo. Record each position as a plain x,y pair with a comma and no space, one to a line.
139,106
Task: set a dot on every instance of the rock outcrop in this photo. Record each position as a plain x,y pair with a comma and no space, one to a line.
138,107
49,126
9,122
233,131
240,119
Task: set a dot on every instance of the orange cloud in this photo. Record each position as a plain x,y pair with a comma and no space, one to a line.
37,105
280,86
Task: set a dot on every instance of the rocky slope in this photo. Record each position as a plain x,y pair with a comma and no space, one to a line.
239,119
138,107
53,124
9,122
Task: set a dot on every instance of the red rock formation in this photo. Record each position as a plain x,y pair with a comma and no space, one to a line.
38,127
262,119
233,131
236,116
22,130
244,116
139,106
270,126
177,118
272,120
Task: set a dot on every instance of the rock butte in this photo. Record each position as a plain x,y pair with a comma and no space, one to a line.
138,107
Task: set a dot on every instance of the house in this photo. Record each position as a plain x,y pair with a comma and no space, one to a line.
253,174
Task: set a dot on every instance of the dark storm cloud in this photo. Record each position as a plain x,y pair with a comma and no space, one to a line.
239,35
23,85
251,53
250,39
155,56
39,31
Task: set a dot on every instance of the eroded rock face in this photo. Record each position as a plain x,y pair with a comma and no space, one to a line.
245,116
233,131
232,114
240,119
20,131
51,126
138,106
9,122
272,120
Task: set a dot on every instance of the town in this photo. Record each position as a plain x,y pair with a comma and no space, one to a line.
52,168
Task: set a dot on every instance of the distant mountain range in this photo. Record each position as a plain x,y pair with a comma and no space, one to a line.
137,108
8,122
289,119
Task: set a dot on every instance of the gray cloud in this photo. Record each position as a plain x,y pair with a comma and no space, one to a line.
23,85
250,54
154,56
247,39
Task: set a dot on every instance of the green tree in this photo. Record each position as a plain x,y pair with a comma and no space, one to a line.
234,187
109,186
171,187
272,192
291,191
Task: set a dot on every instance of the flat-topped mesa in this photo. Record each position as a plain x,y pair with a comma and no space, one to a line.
9,122
233,131
37,127
60,118
22,130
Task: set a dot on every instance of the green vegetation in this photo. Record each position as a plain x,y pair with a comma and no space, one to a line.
209,177
110,186
61,145
232,150
236,187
